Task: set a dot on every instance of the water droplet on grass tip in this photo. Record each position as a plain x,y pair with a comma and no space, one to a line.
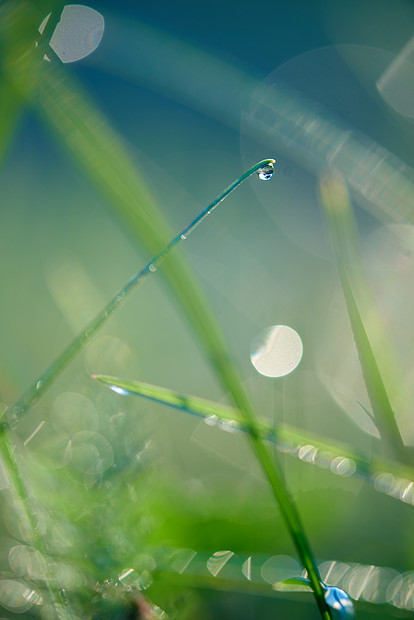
266,172
339,603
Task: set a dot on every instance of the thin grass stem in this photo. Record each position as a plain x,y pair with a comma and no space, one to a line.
338,211
308,447
46,379
97,148
223,365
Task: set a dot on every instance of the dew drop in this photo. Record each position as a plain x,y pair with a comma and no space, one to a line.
230,426
339,603
211,420
307,453
39,385
183,237
266,172
217,561
343,466
152,267
119,390
13,420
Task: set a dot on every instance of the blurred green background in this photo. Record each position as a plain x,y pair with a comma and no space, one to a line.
180,84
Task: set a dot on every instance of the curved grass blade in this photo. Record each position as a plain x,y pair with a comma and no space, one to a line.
97,148
294,584
338,212
321,141
306,446
34,392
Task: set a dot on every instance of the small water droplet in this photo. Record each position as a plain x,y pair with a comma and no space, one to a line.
230,426
152,267
339,603
12,420
144,580
383,482
217,561
343,466
88,333
247,568
211,420
119,390
39,385
307,453
266,172
183,237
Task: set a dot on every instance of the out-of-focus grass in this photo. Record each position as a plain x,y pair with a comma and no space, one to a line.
118,487
96,148
338,212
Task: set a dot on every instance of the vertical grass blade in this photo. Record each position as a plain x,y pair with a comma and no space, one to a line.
338,212
99,152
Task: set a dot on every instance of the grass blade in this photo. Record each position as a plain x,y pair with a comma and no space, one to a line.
100,153
35,391
338,212
290,440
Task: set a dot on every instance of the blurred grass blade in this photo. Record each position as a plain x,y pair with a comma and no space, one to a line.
280,118
338,212
370,583
10,114
100,153
306,446
294,584
35,391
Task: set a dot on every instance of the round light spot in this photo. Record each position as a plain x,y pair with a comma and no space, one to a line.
276,351
16,596
91,453
72,412
25,561
77,34
279,567
108,356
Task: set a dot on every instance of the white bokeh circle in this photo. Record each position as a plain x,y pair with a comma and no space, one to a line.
276,351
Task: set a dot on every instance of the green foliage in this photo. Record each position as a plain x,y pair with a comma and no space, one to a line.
112,513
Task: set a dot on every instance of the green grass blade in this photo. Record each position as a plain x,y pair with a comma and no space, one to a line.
303,445
10,113
338,212
99,152
35,391
370,582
